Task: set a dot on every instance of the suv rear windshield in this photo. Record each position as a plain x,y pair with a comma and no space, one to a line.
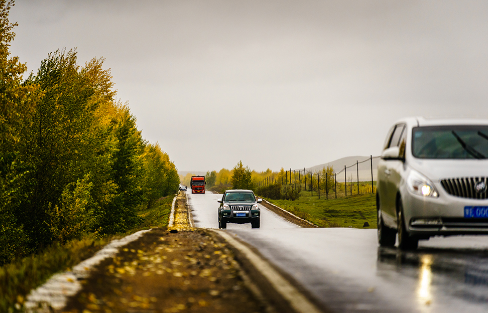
240,197
450,142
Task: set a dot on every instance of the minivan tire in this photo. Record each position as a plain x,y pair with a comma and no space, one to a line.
405,241
386,235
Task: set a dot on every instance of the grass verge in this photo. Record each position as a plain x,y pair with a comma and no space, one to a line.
18,278
352,211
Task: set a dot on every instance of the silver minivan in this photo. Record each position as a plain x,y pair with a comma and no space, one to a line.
432,180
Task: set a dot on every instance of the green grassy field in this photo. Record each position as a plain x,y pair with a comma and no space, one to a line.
352,211
20,276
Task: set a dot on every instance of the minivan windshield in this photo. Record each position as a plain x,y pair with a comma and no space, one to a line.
240,197
450,142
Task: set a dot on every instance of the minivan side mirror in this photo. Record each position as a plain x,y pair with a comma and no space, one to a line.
392,153
219,201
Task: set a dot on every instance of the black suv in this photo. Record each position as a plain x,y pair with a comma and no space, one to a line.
239,206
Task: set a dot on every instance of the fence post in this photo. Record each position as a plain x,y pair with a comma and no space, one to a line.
318,184
357,172
345,181
311,184
335,184
326,187
371,173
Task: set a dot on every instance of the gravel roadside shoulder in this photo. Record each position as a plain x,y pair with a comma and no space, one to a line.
168,272
179,269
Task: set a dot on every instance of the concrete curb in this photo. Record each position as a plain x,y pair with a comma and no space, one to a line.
290,214
171,222
190,215
294,297
56,291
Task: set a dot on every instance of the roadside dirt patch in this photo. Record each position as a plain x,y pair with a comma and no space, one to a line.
168,272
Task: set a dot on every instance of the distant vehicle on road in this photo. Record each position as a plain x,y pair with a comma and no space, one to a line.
197,184
183,188
239,206
432,180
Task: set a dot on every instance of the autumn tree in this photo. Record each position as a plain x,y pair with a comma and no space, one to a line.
327,178
17,106
160,175
211,178
72,160
223,177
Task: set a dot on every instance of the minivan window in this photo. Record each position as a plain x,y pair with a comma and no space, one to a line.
450,142
395,139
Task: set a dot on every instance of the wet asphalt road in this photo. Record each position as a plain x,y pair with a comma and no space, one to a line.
346,271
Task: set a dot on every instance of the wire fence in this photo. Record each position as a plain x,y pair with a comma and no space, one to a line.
327,183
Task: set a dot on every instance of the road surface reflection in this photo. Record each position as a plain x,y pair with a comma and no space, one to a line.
459,273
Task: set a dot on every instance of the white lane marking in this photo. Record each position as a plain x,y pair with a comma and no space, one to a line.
298,301
55,292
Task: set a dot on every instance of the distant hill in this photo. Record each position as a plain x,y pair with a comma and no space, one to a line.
338,165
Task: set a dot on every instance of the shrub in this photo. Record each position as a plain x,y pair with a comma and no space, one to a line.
278,192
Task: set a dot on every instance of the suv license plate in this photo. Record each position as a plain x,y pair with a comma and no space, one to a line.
241,214
476,212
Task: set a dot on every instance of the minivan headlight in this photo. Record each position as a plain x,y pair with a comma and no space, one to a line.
421,185
255,207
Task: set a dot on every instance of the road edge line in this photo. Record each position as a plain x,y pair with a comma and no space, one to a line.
295,298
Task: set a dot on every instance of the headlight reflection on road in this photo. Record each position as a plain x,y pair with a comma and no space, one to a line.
425,280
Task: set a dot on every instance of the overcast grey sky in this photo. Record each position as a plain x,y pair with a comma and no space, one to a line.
272,83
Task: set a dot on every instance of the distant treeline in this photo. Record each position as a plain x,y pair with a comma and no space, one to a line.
269,184
72,160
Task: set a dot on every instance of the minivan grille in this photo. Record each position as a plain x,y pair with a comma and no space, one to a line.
467,187
240,207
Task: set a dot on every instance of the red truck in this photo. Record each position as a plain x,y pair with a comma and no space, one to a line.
197,184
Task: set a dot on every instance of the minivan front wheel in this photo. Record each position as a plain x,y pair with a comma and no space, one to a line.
386,235
405,241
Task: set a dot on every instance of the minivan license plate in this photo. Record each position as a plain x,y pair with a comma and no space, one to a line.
241,214
476,212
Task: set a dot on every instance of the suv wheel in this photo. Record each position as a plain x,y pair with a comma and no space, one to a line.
405,241
386,235
222,223
256,223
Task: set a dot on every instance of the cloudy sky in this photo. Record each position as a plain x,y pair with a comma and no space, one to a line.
272,83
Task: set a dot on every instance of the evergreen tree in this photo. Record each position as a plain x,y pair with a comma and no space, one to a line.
241,177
